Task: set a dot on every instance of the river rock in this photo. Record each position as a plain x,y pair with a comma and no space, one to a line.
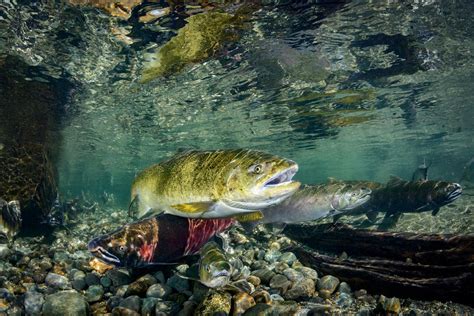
33,302
242,302
188,308
265,274
293,275
280,282
391,306
288,257
254,280
272,256
159,291
92,279
178,283
65,303
215,303
118,277
344,300
132,302
165,308
123,311
148,306
140,286
302,289
345,288
327,285
94,293
262,296
113,302
56,281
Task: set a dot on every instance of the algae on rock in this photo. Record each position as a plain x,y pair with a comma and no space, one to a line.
199,39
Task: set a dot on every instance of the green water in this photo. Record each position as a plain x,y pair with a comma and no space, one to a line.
348,90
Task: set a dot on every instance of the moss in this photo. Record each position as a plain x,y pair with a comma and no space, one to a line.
199,39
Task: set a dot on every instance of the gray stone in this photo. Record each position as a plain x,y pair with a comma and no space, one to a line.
159,291
123,311
293,275
259,264
79,284
344,300
280,267
179,284
345,288
264,274
65,303
94,293
327,285
259,309
280,283
121,290
113,302
132,302
308,273
105,281
16,310
288,258
148,306
188,308
165,308
140,286
33,302
389,305
118,277
160,277
56,281
92,279
277,298
272,256
302,289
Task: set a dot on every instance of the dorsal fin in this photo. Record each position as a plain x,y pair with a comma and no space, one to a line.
394,180
332,180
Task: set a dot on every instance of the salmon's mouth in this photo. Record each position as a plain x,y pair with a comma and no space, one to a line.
101,253
282,178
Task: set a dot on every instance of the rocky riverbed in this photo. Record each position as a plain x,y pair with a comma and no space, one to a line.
57,276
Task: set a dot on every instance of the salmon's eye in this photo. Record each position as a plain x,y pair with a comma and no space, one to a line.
257,169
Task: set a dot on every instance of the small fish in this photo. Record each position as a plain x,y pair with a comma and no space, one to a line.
213,184
215,269
10,218
161,239
314,202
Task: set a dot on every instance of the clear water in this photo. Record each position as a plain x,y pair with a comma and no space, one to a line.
349,90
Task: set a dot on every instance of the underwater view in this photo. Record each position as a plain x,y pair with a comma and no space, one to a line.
271,157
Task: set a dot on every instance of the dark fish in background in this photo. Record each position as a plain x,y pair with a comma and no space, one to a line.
398,196
10,218
161,239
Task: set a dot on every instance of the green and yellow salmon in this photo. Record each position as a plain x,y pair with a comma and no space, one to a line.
213,184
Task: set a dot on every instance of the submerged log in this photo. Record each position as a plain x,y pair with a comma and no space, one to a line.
30,113
422,266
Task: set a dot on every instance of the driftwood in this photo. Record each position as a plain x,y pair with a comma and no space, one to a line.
422,266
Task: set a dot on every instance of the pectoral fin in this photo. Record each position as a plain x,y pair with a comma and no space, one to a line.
195,207
372,216
435,211
249,217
